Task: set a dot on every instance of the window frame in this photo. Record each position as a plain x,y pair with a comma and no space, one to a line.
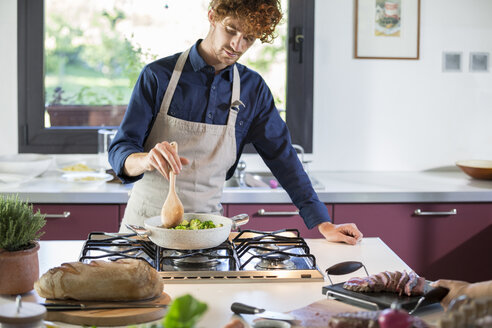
35,138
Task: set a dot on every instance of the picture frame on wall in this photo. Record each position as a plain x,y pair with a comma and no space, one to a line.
387,29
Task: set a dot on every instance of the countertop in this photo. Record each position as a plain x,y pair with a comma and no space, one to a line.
339,187
281,297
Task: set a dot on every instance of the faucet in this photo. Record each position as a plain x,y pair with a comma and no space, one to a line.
240,173
300,150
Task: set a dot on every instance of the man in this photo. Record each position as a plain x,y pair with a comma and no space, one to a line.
211,106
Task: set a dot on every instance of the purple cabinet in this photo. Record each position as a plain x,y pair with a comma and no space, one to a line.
76,221
270,217
445,240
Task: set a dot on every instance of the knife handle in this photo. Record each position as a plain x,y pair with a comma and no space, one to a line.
436,294
240,308
62,307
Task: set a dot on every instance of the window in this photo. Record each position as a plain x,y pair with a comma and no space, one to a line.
78,61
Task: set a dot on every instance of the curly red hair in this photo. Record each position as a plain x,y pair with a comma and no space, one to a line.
260,17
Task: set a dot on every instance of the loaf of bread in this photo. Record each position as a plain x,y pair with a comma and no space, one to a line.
121,280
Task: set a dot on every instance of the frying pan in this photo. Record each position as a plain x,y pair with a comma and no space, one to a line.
190,239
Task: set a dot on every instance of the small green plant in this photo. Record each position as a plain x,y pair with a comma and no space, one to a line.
19,225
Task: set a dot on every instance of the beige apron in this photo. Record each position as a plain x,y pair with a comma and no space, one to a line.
211,150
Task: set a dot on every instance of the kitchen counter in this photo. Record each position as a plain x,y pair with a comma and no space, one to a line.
339,187
273,296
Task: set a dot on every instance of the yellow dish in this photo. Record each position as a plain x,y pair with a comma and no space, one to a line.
79,167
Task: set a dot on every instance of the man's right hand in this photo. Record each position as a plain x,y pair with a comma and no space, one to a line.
456,288
163,158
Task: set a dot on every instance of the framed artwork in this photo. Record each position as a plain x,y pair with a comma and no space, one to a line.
387,29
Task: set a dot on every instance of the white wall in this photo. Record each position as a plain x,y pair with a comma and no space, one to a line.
402,114
370,115
8,77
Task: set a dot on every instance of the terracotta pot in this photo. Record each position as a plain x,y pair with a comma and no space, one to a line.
19,270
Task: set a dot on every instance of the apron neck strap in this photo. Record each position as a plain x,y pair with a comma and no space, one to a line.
236,87
173,82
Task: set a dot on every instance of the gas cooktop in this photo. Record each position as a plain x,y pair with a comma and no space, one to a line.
247,256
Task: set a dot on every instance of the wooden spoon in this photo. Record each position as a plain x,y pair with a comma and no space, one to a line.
172,209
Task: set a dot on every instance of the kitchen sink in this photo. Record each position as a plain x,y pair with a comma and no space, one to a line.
261,180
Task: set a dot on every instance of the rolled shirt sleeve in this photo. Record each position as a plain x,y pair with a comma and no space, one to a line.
136,124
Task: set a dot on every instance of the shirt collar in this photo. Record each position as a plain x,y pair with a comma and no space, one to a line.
198,63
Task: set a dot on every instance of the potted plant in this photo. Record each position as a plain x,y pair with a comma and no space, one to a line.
19,231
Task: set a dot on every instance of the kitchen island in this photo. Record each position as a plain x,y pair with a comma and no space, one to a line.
274,296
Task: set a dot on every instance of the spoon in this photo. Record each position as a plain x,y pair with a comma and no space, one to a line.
172,209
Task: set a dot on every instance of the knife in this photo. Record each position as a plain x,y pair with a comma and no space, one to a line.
88,307
240,308
434,295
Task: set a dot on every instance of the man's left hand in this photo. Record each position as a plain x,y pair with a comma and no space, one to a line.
345,233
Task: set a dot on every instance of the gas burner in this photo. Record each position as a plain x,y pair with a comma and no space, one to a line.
123,246
194,259
265,248
275,261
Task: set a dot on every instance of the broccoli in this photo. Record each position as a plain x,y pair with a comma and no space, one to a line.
207,224
196,224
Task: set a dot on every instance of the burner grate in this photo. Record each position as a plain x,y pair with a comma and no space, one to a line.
100,245
211,254
291,245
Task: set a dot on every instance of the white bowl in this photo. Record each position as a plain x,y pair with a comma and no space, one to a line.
29,165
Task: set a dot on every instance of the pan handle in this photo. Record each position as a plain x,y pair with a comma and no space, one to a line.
239,220
139,230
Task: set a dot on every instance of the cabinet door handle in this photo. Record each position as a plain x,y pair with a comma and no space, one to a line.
262,212
419,212
64,215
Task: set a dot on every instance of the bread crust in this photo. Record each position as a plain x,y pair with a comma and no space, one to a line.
121,280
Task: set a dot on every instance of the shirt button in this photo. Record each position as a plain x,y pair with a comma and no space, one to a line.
172,113
209,115
241,123
213,87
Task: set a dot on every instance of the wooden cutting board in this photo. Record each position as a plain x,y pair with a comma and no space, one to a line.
116,317
318,314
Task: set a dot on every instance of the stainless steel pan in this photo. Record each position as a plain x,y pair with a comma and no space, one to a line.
190,239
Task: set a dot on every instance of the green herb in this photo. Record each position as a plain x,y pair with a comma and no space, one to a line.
19,225
196,224
184,312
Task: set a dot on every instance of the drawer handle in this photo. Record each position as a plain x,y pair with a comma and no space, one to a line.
419,212
262,212
65,215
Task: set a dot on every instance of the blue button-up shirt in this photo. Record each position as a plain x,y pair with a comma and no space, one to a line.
203,96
